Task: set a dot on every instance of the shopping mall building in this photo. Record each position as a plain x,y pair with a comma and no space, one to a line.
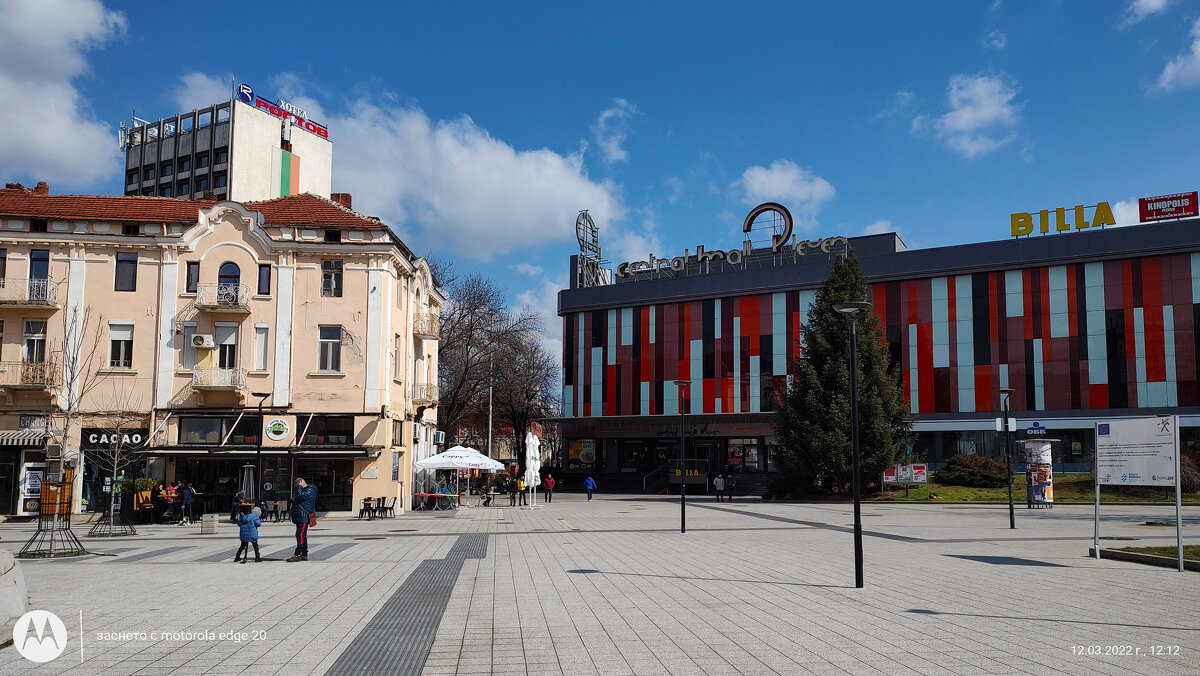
1083,322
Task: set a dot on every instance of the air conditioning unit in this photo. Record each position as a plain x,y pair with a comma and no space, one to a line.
203,340
439,437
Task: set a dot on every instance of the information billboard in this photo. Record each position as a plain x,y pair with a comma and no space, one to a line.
1136,452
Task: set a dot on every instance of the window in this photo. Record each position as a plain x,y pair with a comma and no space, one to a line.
260,347
201,184
226,338
185,164
120,339
133,177
37,225
201,161
396,358
126,272
222,156
148,173
327,430
3,264
188,358
183,189
192,281
229,277
214,431
164,191
131,229
330,356
333,235
149,192
264,279
205,120
219,181
398,438
35,341
331,279
39,272
166,169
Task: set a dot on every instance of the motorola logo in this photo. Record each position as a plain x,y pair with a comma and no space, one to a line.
40,636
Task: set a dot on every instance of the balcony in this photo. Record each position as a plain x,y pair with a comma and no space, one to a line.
29,293
427,326
425,394
230,298
219,379
22,375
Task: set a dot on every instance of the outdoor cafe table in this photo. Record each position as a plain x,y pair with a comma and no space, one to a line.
437,501
369,508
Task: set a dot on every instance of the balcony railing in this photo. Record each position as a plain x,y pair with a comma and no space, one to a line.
425,394
28,375
28,293
219,379
427,326
223,297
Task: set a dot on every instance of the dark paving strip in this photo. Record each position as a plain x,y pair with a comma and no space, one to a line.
223,556
814,524
147,555
398,638
329,551
118,550
280,554
1005,560
472,546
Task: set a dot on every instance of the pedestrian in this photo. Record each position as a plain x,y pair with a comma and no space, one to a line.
522,497
236,511
590,485
719,487
730,482
187,496
548,484
304,507
512,492
248,524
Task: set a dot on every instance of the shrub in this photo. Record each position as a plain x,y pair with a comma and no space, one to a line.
974,471
1189,474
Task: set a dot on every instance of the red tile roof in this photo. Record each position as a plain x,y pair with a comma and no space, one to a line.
297,210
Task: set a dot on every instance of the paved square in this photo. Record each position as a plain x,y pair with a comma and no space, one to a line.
612,587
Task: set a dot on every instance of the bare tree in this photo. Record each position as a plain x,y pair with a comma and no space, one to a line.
524,390
476,324
120,450
80,356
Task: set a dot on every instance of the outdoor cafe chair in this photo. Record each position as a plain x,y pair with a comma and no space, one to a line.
366,508
390,509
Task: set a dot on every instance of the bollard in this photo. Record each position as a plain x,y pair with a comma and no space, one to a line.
208,524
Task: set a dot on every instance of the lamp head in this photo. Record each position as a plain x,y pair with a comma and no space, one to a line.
852,308
1005,391
682,383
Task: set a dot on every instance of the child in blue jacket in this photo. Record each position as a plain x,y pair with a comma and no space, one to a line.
248,532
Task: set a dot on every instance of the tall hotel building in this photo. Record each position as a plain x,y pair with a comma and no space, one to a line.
1084,323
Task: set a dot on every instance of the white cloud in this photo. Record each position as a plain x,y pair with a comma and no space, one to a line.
634,243
879,227
797,188
612,128
543,300
995,40
197,90
1126,212
902,104
528,269
674,186
982,114
1140,9
43,47
1183,71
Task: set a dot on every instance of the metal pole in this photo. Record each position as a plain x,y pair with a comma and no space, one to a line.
1012,517
682,465
858,551
258,482
489,413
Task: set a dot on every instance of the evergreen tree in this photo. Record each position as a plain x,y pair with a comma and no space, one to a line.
813,424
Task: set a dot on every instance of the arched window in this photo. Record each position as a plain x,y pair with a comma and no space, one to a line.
229,275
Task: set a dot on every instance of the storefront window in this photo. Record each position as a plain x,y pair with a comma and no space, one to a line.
334,480
214,430
330,430
742,455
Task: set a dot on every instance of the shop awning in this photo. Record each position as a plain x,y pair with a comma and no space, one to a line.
23,438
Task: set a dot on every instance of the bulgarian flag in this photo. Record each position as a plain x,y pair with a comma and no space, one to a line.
285,169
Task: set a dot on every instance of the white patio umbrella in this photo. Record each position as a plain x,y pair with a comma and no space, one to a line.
533,465
460,457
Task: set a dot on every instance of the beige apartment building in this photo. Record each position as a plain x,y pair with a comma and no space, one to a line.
186,316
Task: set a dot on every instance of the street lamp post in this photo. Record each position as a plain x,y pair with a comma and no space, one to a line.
683,386
1005,394
258,481
855,310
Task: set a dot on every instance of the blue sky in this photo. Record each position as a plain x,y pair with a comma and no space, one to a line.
479,129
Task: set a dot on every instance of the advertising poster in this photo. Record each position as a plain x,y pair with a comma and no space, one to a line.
582,454
919,475
1178,205
889,475
1039,473
905,474
1136,452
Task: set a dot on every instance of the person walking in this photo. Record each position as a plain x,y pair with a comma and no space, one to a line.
719,487
523,498
187,496
248,524
304,506
548,484
512,492
590,485
730,482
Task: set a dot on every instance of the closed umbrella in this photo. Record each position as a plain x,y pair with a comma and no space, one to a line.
533,465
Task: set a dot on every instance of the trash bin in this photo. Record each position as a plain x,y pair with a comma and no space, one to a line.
208,524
